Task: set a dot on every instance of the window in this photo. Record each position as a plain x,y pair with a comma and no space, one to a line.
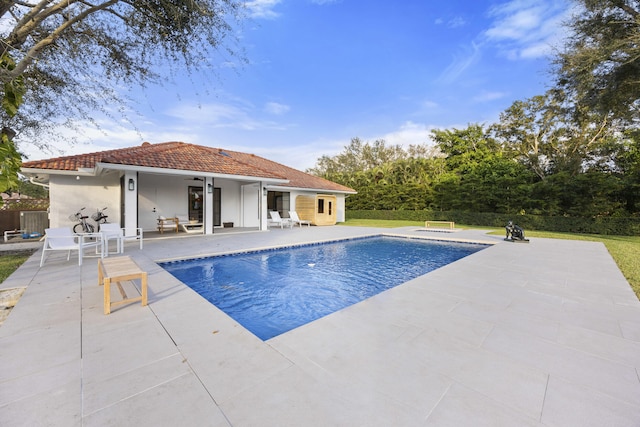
320,206
279,201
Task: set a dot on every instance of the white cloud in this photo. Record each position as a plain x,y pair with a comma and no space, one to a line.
429,105
239,116
519,29
465,58
409,133
486,96
300,156
526,28
108,136
276,108
455,22
263,8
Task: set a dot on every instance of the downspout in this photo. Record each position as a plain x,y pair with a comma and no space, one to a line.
38,183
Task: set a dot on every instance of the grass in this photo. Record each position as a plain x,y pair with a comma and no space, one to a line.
625,250
10,261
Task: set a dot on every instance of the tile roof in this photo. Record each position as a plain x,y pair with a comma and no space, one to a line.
297,179
189,157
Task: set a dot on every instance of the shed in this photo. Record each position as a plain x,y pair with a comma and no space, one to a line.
319,209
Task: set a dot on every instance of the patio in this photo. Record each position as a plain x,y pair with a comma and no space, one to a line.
545,333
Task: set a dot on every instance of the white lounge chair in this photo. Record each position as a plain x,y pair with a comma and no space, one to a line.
276,219
112,231
296,219
190,226
63,239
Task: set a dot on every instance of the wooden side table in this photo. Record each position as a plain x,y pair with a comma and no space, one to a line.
118,269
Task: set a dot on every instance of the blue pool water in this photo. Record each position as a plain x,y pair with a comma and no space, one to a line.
273,291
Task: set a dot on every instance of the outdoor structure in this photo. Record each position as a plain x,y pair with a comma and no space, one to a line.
21,214
209,187
318,209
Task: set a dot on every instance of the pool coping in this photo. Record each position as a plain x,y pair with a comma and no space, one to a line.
540,334
320,242
198,288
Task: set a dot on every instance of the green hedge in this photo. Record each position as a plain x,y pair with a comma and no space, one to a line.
628,226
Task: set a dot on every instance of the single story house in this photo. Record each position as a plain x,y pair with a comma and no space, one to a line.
210,187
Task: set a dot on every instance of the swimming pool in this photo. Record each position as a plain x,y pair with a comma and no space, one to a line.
270,292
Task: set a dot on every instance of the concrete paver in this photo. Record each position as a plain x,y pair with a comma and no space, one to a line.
538,334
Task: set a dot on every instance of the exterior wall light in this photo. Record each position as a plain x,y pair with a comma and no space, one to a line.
132,184
209,188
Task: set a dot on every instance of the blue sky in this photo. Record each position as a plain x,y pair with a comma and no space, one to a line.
321,72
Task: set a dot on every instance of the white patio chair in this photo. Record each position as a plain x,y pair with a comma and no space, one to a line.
293,215
63,239
132,234
112,231
276,219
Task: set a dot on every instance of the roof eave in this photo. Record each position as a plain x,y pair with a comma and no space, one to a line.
182,172
320,190
38,171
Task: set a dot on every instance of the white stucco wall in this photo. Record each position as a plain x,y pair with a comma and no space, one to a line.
230,196
251,205
340,209
168,196
160,195
68,195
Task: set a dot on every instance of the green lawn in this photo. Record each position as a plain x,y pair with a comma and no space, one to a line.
10,261
625,250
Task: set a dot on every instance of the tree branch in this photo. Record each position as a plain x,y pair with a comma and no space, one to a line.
37,19
622,4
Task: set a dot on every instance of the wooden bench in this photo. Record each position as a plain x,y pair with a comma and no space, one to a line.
13,233
451,224
168,224
118,269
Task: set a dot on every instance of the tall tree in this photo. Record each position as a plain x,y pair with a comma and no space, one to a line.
363,156
482,177
550,134
600,62
11,162
463,147
66,59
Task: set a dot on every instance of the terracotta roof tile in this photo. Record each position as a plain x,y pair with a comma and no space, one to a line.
190,157
297,179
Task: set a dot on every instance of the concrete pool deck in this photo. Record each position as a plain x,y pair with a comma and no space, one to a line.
545,333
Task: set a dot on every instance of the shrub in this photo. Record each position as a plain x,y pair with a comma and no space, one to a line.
618,226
